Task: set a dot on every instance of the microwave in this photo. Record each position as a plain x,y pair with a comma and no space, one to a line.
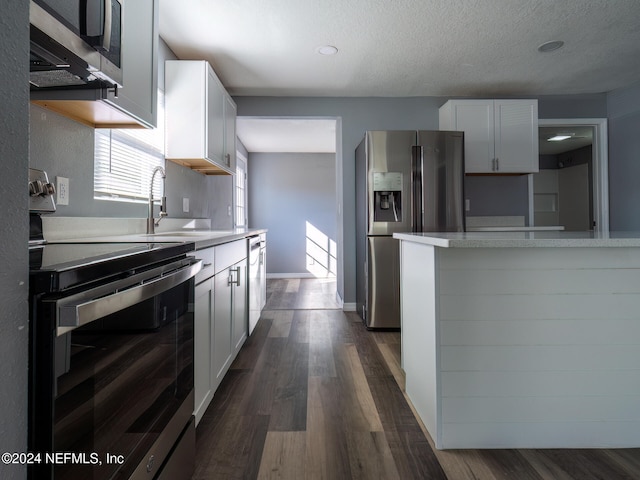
75,44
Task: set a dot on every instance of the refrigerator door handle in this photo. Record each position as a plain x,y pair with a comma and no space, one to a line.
416,188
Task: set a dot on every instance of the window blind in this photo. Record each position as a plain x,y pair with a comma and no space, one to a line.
124,160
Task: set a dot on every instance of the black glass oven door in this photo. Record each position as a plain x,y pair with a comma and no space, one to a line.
116,383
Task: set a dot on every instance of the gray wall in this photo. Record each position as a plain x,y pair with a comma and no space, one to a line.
287,190
624,159
497,195
360,114
14,276
63,147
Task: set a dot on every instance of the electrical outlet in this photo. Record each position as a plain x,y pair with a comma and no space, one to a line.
62,189
467,205
185,204
228,210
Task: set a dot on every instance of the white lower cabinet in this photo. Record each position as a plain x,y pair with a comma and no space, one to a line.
221,327
230,313
221,322
203,338
240,309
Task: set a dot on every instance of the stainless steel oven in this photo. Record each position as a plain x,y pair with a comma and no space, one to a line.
110,355
111,370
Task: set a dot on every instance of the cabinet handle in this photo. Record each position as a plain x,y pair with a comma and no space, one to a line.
493,164
205,265
227,157
231,281
497,164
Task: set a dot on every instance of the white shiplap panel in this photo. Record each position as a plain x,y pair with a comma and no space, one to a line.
540,409
536,383
541,332
538,258
543,307
540,357
536,347
419,332
553,281
542,435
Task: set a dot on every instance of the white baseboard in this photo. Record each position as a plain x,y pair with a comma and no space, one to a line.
348,307
291,275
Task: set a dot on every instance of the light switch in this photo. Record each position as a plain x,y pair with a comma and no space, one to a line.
185,204
467,205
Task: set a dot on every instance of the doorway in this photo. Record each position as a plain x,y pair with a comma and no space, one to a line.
571,188
293,192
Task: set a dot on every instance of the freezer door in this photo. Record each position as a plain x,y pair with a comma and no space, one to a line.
383,283
440,195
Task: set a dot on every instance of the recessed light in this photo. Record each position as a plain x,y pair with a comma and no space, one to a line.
327,50
550,46
558,138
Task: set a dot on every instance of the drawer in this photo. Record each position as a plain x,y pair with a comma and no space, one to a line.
229,253
207,256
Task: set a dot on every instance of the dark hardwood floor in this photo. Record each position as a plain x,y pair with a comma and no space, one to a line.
314,395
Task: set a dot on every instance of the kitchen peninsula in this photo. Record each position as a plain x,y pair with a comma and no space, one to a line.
523,339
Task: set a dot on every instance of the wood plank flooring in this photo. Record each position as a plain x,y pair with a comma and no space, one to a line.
314,395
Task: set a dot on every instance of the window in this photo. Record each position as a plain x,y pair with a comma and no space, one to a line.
241,191
124,160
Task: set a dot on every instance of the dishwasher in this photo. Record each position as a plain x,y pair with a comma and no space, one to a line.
257,278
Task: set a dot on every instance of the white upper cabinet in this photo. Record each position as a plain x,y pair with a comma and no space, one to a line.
200,118
500,136
139,95
230,114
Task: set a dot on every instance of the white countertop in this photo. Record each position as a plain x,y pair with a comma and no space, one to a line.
201,238
507,239
514,229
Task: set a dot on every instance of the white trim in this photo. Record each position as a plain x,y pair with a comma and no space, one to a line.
240,158
348,307
600,170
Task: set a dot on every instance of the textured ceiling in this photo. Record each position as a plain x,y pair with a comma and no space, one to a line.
409,47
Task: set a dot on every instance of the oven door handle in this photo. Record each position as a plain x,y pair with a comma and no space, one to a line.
84,308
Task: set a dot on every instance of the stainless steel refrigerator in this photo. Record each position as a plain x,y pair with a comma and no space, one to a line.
406,181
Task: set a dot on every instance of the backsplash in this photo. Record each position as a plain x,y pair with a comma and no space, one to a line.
62,228
63,147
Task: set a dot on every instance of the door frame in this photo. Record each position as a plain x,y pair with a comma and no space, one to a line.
600,161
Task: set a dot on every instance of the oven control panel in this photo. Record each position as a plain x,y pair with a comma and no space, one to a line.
41,192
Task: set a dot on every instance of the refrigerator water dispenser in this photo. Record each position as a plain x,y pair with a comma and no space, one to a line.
387,190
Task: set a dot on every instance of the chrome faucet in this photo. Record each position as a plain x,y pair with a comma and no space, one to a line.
151,222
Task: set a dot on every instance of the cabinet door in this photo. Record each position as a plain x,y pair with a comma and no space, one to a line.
139,93
475,119
215,118
516,136
240,310
221,326
230,133
202,347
